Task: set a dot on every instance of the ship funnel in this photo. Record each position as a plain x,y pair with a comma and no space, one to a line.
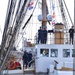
59,33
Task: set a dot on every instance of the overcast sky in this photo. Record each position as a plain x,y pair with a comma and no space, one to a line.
3,9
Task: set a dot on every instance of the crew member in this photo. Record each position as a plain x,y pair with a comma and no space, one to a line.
71,34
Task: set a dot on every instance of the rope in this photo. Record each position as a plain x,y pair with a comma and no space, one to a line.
28,21
58,8
30,16
31,28
1,30
68,12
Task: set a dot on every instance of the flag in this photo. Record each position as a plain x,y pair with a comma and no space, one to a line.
53,15
30,6
53,22
53,6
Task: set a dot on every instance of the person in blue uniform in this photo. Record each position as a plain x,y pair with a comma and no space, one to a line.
44,35
39,35
29,58
25,59
71,34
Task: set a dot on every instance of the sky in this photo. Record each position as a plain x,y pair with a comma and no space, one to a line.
3,9
70,6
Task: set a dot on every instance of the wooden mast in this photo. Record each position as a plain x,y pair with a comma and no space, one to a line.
44,21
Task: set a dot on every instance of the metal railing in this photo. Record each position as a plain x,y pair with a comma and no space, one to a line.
51,38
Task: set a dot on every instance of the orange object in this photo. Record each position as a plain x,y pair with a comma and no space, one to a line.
53,15
17,64
12,65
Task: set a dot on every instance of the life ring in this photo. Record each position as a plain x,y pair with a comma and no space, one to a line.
12,65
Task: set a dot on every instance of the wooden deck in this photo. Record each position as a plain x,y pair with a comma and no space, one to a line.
28,71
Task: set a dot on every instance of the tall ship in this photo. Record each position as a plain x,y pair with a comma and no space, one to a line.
53,54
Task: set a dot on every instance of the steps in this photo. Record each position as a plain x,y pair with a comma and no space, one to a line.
29,71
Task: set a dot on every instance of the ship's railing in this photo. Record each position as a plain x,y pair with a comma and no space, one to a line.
51,39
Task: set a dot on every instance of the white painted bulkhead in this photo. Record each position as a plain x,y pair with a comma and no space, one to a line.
44,62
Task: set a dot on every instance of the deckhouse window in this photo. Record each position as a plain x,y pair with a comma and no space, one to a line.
44,52
66,52
35,52
73,52
54,53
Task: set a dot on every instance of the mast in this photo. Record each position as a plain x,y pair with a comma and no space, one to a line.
44,21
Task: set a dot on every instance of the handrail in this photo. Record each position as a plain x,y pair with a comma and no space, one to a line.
30,62
51,37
